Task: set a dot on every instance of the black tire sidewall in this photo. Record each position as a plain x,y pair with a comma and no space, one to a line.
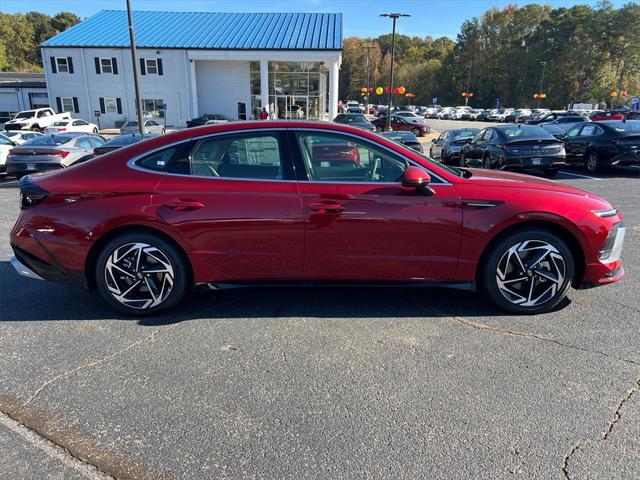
586,163
487,274
182,276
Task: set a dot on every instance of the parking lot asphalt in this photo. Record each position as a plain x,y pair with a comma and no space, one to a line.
323,382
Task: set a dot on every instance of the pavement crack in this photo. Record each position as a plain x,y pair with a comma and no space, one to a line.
99,361
513,333
52,449
603,435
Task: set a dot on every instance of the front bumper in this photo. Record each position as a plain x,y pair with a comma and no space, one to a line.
610,269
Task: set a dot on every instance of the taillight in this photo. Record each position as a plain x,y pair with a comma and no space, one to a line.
60,153
62,129
30,193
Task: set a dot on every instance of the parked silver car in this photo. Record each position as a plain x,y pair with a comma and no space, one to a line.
51,152
20,136
150,126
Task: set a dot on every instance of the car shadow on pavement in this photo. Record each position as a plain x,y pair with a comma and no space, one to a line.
23,299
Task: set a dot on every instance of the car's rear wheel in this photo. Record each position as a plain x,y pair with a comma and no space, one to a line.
528,272
417,132
142,274
95,130
591,161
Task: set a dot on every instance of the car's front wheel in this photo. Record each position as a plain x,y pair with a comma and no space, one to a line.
142,274
528,272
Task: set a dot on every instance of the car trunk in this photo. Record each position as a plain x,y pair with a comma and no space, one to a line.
533,146
38,154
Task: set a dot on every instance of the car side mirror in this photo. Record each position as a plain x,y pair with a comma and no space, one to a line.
417,179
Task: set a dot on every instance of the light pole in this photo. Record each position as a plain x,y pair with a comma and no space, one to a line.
466,90
544,64
136,85
368,49
393,16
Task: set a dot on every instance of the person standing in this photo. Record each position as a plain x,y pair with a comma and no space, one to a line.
264,115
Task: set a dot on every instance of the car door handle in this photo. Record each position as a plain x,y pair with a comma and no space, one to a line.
327,207
183,205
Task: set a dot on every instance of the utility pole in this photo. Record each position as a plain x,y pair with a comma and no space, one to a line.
136,84
393,16
544,64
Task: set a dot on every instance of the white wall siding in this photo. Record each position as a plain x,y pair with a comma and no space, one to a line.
221,84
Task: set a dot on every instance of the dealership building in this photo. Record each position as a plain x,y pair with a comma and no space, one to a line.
192,63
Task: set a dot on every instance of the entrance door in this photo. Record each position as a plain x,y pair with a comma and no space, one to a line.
292,107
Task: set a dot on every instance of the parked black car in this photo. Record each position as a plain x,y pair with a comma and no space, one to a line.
405,138
208,119
483,116
515,147
447,147
550,117
604,144
120,141
355,120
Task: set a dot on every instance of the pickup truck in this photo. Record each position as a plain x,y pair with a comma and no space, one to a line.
36,120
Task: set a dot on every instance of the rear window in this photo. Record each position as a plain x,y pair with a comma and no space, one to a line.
49,140
122,140
59,124
459,134
4,140
524,131
628,126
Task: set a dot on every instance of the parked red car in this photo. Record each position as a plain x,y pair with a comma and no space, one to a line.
248,203
600,115
418,128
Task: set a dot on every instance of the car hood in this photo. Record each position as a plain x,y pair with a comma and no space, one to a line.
497,178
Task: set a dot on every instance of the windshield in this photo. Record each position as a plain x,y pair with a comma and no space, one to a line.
401,136
27,114
122,140
49,140
524,131
5,141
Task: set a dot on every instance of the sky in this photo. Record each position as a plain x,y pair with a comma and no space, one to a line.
360,17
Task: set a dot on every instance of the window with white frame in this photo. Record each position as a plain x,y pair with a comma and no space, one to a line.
151,65
67,104
106,66
62,65
110,105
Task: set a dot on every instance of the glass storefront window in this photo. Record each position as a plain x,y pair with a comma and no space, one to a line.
295,90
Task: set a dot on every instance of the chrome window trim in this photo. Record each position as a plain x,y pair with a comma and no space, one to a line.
132,162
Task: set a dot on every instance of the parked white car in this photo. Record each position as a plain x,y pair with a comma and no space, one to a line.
19,136
150,126
5,146
444,111
72,125
36,120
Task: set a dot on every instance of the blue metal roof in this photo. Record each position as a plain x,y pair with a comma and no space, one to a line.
207,30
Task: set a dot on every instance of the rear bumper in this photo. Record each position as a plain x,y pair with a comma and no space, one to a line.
534,163
625,159
17,168
31,266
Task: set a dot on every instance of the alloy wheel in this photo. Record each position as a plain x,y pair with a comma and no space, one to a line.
592,162
139,275
530,273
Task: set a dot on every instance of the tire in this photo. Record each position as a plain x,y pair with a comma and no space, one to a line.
486,162
417,132
462,160
591,161
36,128
552,275
117,271
550,172
95,130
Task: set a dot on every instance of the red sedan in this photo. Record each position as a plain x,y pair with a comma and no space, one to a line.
417,127
302,202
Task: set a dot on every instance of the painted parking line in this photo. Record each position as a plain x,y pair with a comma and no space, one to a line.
578,175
